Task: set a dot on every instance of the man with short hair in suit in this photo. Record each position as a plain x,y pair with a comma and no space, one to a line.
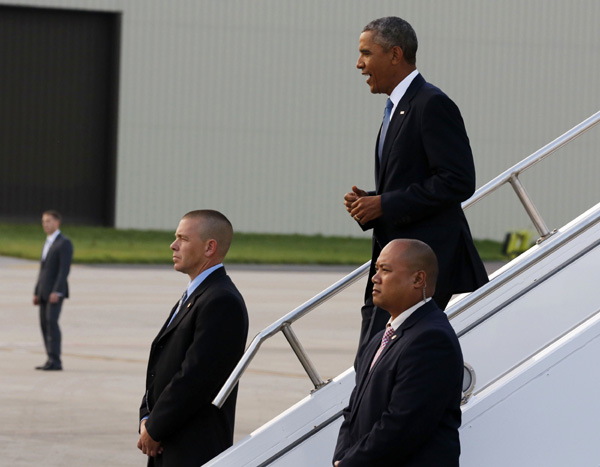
423,168
405,407
195,351
52,287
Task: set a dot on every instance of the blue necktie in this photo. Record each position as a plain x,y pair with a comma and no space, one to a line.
183,299
389,105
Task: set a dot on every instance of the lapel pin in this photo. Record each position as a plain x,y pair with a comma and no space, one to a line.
394,336
189,305
402,112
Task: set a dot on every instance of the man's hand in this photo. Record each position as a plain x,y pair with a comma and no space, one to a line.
54,297
362,207
350,198
36,299
146,444
336,463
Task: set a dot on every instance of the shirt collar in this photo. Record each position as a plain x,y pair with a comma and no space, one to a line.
400,90
405,314
53,236
193,285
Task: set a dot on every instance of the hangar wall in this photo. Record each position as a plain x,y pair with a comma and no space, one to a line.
256,108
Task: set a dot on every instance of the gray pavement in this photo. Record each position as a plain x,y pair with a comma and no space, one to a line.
87,414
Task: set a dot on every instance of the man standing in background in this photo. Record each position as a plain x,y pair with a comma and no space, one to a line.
52,287
423,169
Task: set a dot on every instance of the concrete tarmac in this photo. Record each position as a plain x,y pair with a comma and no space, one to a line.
87,414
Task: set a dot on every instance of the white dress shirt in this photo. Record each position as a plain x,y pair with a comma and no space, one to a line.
405,314
49,241
193,285
400,90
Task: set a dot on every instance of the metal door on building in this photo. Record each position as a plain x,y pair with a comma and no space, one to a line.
58,114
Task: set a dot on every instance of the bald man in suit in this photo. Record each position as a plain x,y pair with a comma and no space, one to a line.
405,408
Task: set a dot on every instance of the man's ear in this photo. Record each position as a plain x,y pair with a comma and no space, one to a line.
397,54
420,279
211,247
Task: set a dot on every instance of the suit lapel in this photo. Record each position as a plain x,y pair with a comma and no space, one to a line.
183,310
366,371
189,303
366,375
164,327
53,247
400,113
397,337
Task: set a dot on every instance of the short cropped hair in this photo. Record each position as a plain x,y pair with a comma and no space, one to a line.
53,213
213,225
392,31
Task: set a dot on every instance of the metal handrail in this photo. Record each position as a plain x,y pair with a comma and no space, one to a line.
284,323
533,257
511,175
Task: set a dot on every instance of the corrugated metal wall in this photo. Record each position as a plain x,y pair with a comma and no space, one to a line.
255,108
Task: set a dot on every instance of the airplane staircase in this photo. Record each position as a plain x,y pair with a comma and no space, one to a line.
530,338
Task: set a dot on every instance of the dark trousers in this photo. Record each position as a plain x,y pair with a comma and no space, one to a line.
49,313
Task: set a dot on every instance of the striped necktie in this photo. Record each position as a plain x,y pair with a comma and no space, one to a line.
387,336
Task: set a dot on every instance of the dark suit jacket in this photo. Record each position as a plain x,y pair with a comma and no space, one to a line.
406,410
189,362
55,269
426,171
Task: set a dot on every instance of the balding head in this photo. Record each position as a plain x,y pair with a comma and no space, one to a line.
419,256
406,272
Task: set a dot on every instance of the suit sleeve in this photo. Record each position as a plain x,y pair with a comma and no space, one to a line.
64,265
218,342
448,156
144,412
343,441
427,377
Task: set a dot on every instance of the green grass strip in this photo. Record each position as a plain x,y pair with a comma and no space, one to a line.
96,245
